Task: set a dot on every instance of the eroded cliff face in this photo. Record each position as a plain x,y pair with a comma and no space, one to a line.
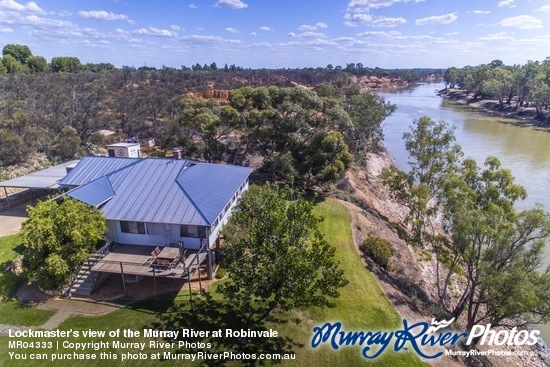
369,83
374,83
409,285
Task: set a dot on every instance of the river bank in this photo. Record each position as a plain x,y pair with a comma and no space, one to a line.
409,281
526,115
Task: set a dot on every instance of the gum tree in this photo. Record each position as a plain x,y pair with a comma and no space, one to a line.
278,258
468,213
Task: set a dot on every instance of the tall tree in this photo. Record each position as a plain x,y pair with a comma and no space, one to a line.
367,111
323,160
65,64
19,52
434,156
277,257
466,212
37,64
499,249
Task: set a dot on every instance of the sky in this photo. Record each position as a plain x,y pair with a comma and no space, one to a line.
282,33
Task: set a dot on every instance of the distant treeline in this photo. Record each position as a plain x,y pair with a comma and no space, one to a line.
305,124
19,59
525,85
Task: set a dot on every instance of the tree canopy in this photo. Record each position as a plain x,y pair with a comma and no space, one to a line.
466,214
528,85
277,257
59,236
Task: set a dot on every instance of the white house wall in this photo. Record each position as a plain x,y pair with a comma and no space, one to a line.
216,231
159,234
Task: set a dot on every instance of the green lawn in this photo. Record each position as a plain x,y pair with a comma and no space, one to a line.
10,248
13,313
361,306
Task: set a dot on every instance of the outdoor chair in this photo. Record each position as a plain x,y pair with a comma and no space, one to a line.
175,262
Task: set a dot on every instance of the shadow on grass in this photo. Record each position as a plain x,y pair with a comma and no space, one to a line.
19,249
160,305
209,314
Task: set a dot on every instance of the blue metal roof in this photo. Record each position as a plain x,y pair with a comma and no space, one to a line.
92,168
156,190
95,193
211,186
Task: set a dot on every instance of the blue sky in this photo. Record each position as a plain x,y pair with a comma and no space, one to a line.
282,33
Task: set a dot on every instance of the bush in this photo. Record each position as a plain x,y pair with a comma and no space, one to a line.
59,236
378,249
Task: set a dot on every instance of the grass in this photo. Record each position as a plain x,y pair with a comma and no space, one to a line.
10,248
361,306
14,313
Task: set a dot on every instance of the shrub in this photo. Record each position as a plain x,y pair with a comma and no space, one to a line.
59,236
378,249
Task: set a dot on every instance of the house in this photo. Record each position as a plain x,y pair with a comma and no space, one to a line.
155,203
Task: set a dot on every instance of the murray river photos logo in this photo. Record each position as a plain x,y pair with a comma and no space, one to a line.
417,336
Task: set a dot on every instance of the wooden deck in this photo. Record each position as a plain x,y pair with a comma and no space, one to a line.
137,260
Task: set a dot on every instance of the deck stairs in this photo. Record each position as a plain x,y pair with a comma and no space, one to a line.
85,280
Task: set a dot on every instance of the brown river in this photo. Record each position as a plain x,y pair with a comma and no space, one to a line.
523,150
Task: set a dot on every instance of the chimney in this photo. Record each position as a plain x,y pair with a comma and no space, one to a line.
177,153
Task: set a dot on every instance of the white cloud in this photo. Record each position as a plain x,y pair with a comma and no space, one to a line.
64,13
390,34
266,29
360,6
545,9
6,30
316,26
451,34
481,12
393,35
260,45
46,22
501,36
176,28
253,34
194,6
353,20
15,6
152,31
388,22
101,15
438,19
307,35
232,30
320,42
522,22
509,3
233,4
206,40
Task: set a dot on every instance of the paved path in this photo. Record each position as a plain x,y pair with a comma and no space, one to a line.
10,220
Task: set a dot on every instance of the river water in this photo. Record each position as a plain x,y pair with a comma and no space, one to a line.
523,150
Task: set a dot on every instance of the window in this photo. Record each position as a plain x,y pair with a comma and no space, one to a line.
132,227
193,231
